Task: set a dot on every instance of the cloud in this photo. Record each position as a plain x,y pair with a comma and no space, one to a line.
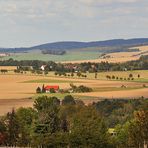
36,9
82,19
106,2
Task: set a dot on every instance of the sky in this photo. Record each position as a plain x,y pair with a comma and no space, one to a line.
25,23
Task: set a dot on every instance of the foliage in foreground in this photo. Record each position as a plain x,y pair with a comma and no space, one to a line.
51,123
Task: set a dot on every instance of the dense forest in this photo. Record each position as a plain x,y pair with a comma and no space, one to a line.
52,123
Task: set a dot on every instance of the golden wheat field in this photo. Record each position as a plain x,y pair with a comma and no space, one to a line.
11,68
17,90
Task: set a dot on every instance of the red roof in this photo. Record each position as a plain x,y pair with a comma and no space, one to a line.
51,87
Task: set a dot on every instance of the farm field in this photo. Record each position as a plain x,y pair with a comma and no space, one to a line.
70,55
102,75
15,89
9,68
118,57
82,55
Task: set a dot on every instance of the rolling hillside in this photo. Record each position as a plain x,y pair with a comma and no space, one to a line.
78,45
67,45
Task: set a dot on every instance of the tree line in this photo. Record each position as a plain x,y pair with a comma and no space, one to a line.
60,68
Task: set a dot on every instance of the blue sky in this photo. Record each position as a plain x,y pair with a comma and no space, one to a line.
33,22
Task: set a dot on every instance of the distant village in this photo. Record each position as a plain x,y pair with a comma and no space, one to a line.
4,54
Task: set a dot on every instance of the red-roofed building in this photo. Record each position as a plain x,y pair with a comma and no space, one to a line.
48,87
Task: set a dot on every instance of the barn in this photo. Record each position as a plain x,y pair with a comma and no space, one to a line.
49,87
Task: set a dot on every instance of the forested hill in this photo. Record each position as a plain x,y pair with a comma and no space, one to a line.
107,43
68,45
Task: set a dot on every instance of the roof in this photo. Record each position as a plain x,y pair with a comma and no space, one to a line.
43,65
48,87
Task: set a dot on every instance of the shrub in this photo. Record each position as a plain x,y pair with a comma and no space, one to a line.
68,100
52,90
80,88
113,77
38,90
130,75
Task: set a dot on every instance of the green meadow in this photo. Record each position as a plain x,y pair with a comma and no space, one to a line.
50,81
69,56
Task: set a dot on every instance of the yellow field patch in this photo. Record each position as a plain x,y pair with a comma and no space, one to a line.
8,67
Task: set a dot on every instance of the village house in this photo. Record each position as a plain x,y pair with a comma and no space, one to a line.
4,54
43,67
49,87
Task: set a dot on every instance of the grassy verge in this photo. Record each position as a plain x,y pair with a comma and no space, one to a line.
142,80
61,96
50,81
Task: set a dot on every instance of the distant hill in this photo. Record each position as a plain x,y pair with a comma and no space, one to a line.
68,45
78,45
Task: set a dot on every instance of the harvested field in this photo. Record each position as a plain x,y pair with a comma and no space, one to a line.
14,89
6,105
13,86
8,67
118,57
125,94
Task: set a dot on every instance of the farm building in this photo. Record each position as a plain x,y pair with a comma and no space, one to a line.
43,67
49,87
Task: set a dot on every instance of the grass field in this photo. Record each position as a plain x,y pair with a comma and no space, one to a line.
69,56
51,81
83,55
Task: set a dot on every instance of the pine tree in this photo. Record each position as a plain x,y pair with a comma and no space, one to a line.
13,128
43,89
38,90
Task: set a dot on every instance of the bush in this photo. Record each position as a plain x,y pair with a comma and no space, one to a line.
113,77
80,88
45,72
39,72
17,71
130,75
68,100
38,90
52,90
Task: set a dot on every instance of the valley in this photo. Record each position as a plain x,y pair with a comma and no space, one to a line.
20,89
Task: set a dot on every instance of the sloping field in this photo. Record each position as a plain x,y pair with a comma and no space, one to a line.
22,86
70,55
124,94
6,105
15,90
119,57
15,86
